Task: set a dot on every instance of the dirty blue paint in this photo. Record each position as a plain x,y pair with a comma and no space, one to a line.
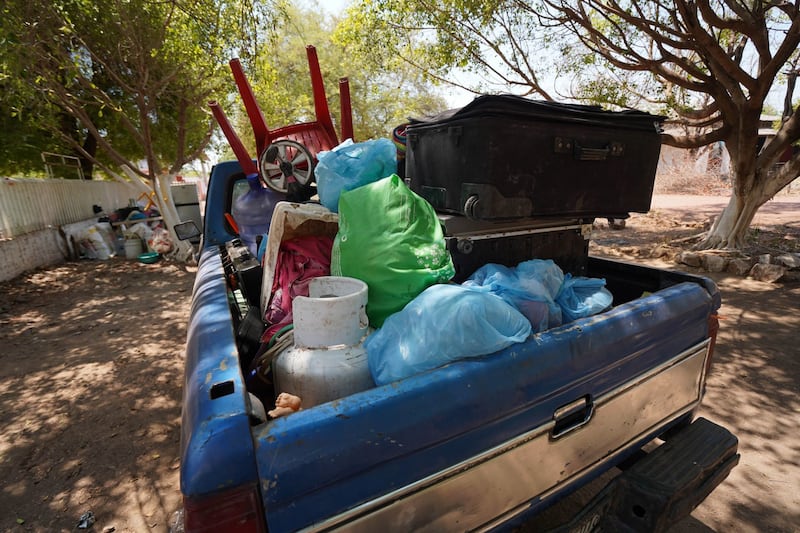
216,444
322,461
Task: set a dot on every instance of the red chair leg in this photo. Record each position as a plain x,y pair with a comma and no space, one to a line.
346,110
320,101
257,121
236,144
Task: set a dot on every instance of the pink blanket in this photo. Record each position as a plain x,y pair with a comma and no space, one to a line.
299,260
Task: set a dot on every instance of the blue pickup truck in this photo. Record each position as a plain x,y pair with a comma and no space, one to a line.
482,444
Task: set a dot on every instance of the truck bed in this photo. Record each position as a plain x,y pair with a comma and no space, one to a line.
451,448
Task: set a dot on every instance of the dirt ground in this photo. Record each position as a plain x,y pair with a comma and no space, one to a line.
91,361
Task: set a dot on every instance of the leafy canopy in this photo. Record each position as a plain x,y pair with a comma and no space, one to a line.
383,95
133,76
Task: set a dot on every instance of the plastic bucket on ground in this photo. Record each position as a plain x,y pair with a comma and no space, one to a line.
133,247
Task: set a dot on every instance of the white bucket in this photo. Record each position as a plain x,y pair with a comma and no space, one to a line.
333,313
133,247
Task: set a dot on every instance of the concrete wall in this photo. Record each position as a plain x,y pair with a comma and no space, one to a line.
32,250
40,248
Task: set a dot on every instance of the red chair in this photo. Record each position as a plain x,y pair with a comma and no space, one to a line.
288,154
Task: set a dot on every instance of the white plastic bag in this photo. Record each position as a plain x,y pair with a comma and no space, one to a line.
160,241
94,245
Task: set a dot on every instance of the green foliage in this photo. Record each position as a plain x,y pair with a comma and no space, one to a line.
382,96
485,45
22,139
580,50
135,76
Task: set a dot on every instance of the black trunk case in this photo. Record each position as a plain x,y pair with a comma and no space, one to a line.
507,157
473,243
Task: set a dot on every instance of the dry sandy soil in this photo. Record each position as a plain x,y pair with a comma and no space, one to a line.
91,360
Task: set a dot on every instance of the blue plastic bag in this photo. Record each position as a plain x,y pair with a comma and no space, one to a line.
444,323
531,287
351,165
581,297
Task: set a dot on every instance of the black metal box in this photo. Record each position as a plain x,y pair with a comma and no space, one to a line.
506,156
473,243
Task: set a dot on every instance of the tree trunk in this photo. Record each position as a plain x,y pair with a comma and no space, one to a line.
183,250
749,194
87,164
730,228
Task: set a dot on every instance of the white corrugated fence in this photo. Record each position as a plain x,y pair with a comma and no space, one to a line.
36,215
28,205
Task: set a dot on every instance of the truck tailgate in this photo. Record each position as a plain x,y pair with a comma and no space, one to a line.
450,448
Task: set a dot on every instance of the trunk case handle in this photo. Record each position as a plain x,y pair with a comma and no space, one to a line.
563,145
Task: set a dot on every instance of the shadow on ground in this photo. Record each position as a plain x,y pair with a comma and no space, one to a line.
753,390
90,392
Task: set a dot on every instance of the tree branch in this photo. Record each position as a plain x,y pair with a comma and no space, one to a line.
80,114
721,64
694,141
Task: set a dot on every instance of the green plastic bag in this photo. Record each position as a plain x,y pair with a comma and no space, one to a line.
390,238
